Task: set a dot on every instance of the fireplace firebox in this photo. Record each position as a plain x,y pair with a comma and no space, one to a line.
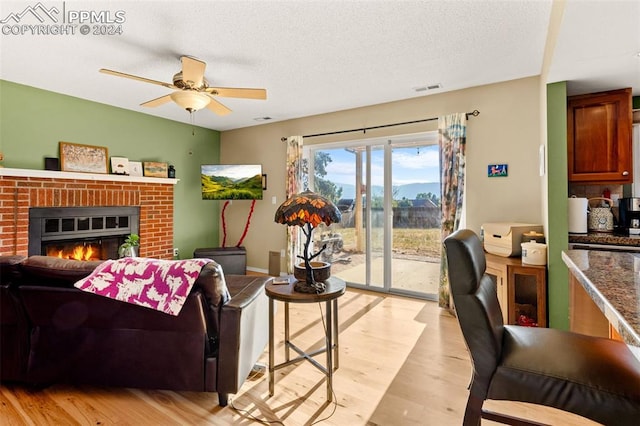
83,233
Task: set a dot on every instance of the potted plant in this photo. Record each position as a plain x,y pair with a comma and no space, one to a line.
127,249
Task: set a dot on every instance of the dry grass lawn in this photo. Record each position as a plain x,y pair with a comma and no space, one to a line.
414,242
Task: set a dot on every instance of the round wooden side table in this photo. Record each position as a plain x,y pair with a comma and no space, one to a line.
335,287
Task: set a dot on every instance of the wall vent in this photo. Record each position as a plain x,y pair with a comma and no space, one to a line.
428,87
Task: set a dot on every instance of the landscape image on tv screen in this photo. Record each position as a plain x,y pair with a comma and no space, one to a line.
231,181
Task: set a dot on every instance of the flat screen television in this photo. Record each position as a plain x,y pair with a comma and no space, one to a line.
231,181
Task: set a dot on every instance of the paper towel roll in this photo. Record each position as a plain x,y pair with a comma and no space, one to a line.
578,215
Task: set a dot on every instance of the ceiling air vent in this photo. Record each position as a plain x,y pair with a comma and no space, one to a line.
428,87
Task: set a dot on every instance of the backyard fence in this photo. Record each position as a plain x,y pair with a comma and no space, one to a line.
403,217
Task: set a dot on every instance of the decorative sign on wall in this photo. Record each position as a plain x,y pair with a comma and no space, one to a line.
498,170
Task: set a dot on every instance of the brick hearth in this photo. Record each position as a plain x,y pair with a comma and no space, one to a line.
154,197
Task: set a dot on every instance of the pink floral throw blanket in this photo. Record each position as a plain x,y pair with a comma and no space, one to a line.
162,285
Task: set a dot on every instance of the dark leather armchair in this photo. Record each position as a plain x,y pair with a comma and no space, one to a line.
593,377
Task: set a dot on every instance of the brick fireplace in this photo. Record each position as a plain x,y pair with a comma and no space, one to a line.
85,233
21,190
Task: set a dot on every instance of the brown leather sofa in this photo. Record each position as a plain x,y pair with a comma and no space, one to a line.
51,332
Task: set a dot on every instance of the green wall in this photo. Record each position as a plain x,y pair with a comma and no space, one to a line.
558,232
33,121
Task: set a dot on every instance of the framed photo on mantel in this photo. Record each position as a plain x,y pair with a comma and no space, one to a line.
155,169
120,166
135,168
76,157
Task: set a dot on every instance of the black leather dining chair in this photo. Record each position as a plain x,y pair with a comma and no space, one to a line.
593,377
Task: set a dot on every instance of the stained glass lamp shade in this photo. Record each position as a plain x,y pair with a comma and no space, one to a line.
308,210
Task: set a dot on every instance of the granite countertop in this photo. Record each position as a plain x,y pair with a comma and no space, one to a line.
612,280
609,238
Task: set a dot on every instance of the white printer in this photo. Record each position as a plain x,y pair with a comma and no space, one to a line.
504,238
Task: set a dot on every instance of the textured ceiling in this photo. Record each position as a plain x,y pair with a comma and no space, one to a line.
598,46
315,57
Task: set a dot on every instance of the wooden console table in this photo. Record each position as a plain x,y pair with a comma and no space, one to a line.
522,288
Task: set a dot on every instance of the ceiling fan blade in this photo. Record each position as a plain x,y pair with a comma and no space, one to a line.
237,92
157,101
217,107
135,77
193,71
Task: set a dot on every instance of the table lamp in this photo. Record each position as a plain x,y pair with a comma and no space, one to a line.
308,210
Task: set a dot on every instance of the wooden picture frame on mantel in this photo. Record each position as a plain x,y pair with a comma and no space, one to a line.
155,169
75,157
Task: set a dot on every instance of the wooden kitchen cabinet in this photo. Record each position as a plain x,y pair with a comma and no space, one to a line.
522,289
599,137
584,316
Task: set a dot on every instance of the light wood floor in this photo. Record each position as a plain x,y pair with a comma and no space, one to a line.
402,362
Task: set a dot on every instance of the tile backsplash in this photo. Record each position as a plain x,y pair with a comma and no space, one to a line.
594,191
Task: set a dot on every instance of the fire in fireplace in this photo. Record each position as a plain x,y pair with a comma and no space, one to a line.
82,233
77,250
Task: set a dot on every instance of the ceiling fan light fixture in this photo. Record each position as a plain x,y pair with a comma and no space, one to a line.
191,90
189,100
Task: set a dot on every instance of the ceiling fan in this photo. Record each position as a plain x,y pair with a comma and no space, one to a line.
192,91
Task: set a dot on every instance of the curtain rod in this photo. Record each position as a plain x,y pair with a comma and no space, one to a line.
475,113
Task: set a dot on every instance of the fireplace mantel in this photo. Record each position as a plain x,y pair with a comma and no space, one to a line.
84,176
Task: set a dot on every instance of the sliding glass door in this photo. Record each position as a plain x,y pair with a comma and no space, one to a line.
388,191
